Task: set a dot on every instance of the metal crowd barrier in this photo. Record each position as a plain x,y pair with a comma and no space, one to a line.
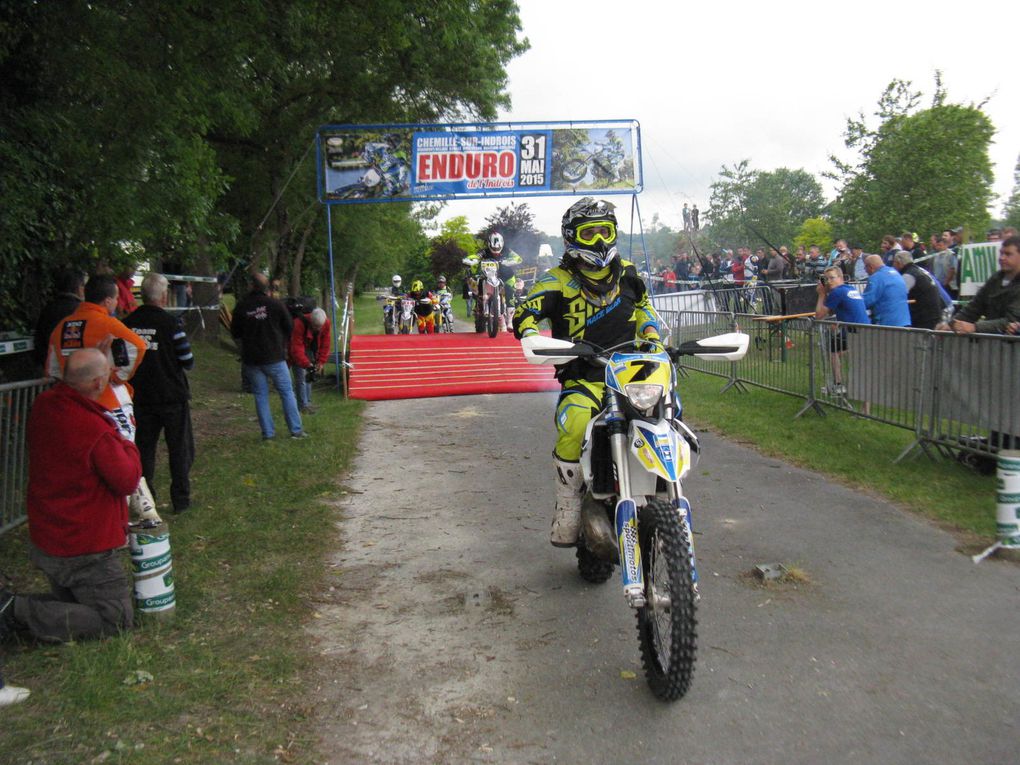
15,402
955,393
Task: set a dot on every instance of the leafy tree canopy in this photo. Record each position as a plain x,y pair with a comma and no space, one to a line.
1011,213
185,128
775,203
921,170
516,222
814,231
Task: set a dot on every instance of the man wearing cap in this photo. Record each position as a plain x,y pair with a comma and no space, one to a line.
909,243
957,238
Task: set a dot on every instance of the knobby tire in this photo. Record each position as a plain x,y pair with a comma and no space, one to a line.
591,567
668,635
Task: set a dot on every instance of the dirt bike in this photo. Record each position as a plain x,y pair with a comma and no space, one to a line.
634,457
444,313
603,163
491,310
406,318
389,313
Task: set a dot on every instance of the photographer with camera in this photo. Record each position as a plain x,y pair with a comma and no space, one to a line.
309,349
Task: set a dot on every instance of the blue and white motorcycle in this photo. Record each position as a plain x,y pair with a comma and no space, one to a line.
634,457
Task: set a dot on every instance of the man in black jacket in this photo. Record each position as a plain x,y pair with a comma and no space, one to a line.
927,306
262,325
70,291
161,389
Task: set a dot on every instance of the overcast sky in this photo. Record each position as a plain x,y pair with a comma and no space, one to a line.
774,83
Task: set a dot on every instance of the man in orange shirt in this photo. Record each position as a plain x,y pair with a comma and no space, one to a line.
93,325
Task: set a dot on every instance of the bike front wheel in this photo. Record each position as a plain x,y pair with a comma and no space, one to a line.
574,170
667,623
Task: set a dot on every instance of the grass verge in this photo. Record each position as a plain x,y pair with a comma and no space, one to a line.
855,451
229,670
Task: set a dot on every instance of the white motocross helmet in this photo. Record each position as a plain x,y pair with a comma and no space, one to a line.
396,280
495,243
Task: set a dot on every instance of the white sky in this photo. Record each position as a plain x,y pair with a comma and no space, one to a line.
715,83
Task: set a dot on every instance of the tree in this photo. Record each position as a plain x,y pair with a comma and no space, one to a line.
772,203
922,170
187,127
1011,212
516,223
814,231
450,247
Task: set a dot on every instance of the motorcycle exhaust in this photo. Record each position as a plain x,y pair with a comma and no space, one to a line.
597,531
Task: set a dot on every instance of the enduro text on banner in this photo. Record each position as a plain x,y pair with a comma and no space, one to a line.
394,163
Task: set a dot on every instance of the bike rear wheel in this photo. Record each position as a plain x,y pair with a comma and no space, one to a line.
591,567
667,623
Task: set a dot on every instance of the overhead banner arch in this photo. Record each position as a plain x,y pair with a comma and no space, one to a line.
360,164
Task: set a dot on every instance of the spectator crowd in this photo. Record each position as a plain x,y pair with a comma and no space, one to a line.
120,375
907,283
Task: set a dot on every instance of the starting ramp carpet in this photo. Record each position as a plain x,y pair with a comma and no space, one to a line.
457,364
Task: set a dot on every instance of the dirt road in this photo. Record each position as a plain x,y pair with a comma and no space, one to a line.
456,633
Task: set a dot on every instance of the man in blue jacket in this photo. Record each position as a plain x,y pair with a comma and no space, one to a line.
886,294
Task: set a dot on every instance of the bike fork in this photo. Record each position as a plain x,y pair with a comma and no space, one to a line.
631,569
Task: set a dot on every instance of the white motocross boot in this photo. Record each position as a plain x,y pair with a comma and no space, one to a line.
567,521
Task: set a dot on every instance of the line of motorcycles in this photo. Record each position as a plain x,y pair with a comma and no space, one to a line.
400,317
488,304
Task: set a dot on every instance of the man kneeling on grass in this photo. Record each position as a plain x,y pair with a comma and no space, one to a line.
80,471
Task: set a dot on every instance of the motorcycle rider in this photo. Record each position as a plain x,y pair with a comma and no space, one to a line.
493,250
423,310
391,306
443,291
591,295
390,162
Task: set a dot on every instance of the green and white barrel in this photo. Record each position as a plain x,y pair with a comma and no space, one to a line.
152,568
1007,499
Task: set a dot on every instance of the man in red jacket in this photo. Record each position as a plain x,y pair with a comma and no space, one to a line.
307,354
80,470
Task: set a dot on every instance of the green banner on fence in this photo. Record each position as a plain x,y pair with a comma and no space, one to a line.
977,263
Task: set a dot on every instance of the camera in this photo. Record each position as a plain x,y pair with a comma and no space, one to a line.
118,350
310,375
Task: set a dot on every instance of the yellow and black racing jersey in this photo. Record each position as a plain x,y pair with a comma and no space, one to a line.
626,312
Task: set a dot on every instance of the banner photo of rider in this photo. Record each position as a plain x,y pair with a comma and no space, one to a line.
406,163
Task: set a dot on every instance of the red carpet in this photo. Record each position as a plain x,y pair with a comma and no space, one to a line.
458,364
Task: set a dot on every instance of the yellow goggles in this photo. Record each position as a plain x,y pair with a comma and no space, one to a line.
590,233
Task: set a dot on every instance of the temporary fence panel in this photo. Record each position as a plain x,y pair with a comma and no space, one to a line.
975,400
780,354
697,325
15,402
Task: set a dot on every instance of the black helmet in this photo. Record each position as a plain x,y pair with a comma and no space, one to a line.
589,233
